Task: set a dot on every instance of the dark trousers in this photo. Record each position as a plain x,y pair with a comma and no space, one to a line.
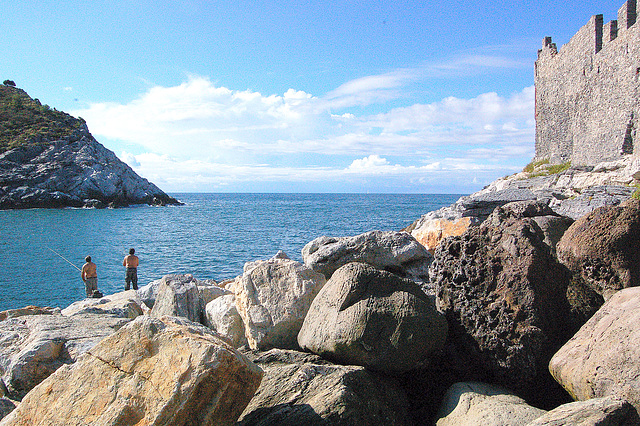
131,278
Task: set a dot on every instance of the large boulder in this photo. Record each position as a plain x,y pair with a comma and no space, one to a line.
608,411
365,316
481,404
601,248
396,252
224,319
32,347
503,294
149,292
273,297
602,358
154,371
300,390
124,304
178,295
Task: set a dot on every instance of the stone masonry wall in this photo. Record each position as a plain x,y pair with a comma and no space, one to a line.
588,93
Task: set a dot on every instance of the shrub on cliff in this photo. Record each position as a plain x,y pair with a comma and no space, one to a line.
25,121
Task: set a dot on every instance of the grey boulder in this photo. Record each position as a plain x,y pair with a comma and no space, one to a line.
397,252
178,296
124,304
224,319
298,389
365,316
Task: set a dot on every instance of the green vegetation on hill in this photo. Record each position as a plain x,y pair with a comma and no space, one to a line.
25,121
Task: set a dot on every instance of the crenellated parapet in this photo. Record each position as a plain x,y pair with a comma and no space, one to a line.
588,92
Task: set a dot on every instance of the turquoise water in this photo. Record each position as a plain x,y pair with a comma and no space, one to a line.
212,236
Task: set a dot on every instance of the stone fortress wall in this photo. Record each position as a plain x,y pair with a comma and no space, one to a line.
588,93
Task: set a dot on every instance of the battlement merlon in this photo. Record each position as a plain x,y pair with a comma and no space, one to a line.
627,15
548,47
609,32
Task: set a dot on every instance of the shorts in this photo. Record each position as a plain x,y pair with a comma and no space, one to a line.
90,284
131,277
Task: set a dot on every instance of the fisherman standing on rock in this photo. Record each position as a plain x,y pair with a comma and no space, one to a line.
131,262
89,275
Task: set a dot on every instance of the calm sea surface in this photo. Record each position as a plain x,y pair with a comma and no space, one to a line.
212,236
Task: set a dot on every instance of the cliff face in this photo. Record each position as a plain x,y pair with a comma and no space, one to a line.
49,159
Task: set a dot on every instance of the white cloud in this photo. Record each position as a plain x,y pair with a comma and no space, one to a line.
371,162
369,89
196,175
200,137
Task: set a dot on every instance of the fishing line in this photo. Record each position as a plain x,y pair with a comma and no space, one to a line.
64,258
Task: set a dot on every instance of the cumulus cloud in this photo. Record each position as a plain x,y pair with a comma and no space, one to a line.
449,175
371,162
197,136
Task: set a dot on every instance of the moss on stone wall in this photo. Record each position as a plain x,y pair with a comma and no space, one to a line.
543,168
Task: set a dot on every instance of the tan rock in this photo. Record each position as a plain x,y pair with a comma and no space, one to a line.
431,232
154,371
28,310
34,346
125,304
481,404
608,411
602,358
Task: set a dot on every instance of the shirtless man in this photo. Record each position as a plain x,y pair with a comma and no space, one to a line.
131,262
89,276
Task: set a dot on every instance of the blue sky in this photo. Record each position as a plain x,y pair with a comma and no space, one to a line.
290,96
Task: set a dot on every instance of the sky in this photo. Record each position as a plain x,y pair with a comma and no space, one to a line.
296,96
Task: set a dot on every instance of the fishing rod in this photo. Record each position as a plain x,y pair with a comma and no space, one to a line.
64,258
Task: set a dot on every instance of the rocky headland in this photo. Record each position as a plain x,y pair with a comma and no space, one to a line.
49,159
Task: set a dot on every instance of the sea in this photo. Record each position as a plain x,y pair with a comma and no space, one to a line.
211,236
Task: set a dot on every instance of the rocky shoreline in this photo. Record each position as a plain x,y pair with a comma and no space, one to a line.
527,316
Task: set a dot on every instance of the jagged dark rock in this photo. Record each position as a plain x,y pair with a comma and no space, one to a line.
49,159
503,293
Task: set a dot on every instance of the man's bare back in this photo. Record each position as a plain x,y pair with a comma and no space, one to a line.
89,270
131,261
